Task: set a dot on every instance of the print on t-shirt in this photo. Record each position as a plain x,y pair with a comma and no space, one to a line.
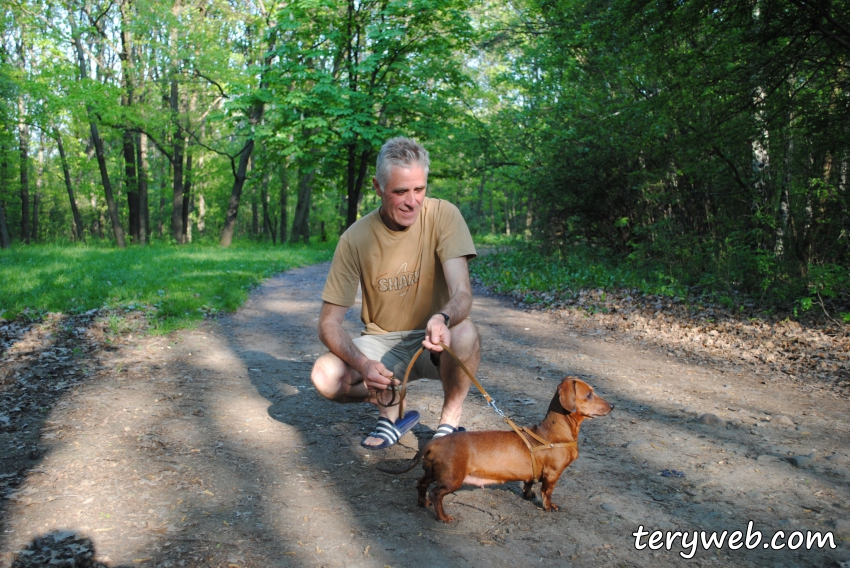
400,282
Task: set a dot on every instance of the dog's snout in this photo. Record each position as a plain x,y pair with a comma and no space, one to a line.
612,405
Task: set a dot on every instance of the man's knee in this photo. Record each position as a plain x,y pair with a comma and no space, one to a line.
327,374
465,338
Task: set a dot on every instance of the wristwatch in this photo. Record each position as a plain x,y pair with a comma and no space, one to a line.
445,315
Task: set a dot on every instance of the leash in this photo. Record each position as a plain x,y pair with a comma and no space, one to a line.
400,392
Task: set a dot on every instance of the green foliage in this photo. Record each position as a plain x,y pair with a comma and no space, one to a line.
701,143
528,272
172,285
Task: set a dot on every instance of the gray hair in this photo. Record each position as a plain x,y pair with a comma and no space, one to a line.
403,152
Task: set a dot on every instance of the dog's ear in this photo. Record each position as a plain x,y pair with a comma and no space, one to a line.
567,394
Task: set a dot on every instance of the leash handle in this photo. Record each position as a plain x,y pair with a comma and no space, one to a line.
401,391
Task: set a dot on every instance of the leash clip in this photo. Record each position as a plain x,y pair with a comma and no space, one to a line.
492,403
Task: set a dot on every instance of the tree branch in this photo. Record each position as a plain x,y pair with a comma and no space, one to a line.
197,73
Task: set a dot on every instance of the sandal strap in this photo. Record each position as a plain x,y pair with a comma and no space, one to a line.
386,430
444,430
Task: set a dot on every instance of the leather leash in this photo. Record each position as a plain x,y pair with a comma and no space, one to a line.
401,392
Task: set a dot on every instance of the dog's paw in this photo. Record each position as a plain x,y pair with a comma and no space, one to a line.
447,519
552,507
528,495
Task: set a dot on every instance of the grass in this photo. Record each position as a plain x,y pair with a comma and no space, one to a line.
174,286
524,271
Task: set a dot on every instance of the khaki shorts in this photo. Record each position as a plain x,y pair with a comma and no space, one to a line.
395,350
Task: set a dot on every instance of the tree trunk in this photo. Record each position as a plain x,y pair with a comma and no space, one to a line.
236,194
98,144
202,206
188,207
507,216
39,183
131,184
202,213
350,174
161,208
78,219
177,165
268,230
5,241
284,197
255,213
97,218
187,197
784,197
144,212
492,215
479,204
301,223
254,118
24,139
36,201
111,207
843,172
355,191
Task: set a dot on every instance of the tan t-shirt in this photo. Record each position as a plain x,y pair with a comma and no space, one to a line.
400,272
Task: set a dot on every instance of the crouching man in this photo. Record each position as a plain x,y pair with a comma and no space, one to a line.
409,257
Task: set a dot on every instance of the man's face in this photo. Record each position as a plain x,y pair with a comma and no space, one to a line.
402,197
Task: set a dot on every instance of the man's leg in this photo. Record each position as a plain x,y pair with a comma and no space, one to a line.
338,382
456,384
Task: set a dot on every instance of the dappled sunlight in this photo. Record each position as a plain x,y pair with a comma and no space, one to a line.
210,447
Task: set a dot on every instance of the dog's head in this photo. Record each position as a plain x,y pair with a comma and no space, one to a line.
577,396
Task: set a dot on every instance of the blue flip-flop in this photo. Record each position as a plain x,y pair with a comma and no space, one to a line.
446,429
391,433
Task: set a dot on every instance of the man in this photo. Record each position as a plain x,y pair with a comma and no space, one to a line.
410,259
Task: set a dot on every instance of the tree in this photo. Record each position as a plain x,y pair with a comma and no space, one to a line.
97,141
348,76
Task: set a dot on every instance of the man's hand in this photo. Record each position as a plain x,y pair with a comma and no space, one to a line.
436,332
376,375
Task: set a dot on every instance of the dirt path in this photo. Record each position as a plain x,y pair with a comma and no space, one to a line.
210,448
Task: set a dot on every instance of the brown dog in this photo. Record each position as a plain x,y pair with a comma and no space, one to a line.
479,458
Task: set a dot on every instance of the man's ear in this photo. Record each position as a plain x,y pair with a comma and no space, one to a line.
377,187
567,395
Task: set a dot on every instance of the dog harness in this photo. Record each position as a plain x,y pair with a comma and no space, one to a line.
400,391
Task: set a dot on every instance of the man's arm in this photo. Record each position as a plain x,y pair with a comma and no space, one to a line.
335,338
458,307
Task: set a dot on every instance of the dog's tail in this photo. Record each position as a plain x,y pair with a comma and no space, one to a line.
416,459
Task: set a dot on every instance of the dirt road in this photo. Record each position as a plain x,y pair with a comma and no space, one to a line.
210,448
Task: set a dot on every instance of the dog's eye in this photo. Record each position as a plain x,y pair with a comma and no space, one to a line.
589,395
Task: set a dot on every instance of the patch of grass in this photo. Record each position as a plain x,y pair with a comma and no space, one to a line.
173,286
525,272
490,240
537,278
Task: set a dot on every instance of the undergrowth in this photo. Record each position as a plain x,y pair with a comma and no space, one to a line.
524,271
174,286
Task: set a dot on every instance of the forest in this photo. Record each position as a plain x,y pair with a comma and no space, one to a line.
659,195
705,140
